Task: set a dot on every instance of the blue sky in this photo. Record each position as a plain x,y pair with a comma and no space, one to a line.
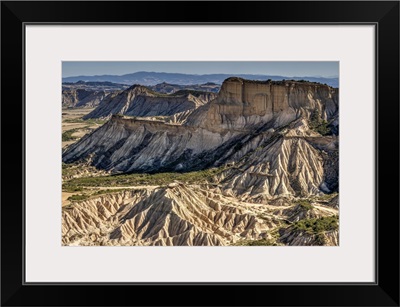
289,69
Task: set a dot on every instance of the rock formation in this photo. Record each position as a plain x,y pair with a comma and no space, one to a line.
244,104
266,122
82,98
141,101
273,142
176,214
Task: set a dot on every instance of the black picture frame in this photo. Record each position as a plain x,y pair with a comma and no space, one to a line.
383,14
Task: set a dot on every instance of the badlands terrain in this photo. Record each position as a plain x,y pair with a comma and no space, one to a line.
251,163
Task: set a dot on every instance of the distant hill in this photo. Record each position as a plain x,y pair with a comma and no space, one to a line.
83,94
94,85
172,88
153,78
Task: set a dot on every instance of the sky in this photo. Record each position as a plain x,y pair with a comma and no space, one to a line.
287,69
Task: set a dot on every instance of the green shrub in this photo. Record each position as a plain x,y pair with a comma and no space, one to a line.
89,121
318,124
78,197
96,121
72,189
305,204
326,197
317,225
261,242
320,238
141,179
192,92
107,191
67,135
65,165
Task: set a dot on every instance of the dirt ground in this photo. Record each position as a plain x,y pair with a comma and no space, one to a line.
64,198
70,115
71,119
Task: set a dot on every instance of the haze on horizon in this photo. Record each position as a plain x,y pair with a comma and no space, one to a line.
327,69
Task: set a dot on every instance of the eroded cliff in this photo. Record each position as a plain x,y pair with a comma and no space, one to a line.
141,101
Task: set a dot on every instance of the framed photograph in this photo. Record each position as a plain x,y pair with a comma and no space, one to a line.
250,154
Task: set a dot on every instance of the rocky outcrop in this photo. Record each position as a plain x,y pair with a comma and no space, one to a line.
298,238
82,98
142,102
285,167
244,104
128,145
259,128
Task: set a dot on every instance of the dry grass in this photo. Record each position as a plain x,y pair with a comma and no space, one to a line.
72,120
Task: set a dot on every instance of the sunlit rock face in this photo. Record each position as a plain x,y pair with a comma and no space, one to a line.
141,101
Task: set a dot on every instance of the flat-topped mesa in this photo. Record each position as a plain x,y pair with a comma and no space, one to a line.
139,100
243,103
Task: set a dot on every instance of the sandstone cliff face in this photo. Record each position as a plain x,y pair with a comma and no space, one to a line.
242,104
82,98
140,101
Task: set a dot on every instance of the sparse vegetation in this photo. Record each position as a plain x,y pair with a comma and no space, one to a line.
192,92
91,121
107,191
320,238
305,204
68,135
315,227
65,165
141,179
72,189
88,194
326,197
96,121
318,124
78,197
320,225
77,169
261,242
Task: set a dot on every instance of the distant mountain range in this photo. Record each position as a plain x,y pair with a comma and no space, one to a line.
94,85
153,78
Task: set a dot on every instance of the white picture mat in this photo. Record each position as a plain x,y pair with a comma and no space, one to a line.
48,45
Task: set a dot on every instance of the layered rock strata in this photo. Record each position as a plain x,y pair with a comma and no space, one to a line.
140,101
